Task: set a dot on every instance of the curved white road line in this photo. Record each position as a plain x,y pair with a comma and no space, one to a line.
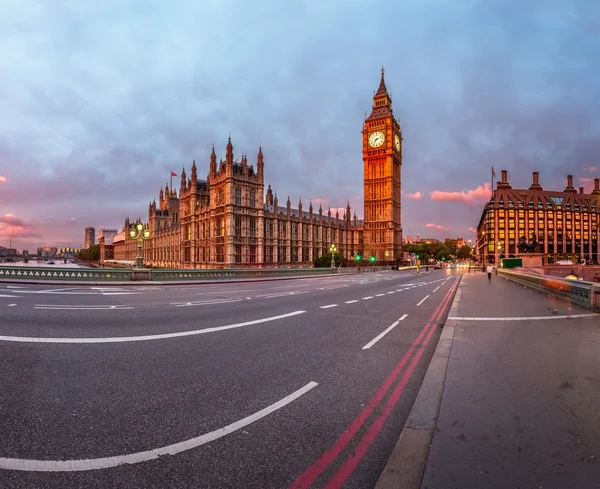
134,458
125,339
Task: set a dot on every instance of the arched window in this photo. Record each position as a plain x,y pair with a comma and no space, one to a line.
252,202
238,196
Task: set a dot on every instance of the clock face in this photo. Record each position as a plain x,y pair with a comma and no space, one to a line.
376,139
397,143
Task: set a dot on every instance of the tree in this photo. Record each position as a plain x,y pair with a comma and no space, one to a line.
452,245
325,260
464,252
443,254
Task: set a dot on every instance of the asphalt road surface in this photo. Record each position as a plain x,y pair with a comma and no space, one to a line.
282,384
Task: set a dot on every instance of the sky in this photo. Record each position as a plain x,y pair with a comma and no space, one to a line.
99,101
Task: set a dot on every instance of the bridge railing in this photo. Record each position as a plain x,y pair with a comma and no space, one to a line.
165,275
67,274
586,294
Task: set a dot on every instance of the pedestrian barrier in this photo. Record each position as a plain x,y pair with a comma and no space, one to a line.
166,275
66,274
583,293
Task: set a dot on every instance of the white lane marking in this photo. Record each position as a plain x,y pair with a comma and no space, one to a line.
282,294
328,306
204,303
331,287
379,295
392,292
381,335
11,305
526,318
367,298
4,295
352,301
423,300
119,293
231,291
126,339
60,307
436,288
134,458
14,287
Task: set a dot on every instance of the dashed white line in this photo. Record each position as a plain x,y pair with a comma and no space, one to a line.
392,292
423,300
3,295
352,301
59,307
134,458
437,288
367,298
381,335
126,339
204,303
11,305
328,306
379,295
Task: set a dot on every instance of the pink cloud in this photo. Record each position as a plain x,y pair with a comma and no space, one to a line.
587,184
473,230
474,197
415,196
589,169
437,227
3,179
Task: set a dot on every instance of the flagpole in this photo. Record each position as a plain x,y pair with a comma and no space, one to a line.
171,186
492,181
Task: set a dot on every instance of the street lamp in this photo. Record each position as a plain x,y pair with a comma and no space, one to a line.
139,234
498,251
387,255
332,249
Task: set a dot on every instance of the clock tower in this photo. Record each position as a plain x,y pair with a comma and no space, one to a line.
382,157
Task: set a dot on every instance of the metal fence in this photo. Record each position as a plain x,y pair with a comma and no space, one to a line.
583,293
169,275
67,274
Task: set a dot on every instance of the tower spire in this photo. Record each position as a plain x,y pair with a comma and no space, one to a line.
382,90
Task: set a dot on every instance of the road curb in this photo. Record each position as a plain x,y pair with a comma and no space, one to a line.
406,465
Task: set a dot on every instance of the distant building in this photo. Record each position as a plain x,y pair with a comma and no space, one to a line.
563,224
107,234
47,252
107,251
90,237
25,253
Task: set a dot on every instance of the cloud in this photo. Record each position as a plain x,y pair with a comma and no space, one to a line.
415,196
437,227
474,197
103,99
3,179
472,230
589,169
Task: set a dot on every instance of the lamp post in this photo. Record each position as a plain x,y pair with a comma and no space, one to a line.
139,234
387,255
332,249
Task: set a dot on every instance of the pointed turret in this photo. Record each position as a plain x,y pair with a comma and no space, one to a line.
161,195
213,161
194,173
260,164
275,202
229,154
183,181
269,196
382,101
300,208
310,208
288,205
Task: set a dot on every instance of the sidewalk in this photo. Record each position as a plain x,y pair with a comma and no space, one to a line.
517,386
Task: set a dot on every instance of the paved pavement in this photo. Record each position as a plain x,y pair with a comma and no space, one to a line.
304,383
520,406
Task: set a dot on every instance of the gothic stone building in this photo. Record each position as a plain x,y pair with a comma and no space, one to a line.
228,220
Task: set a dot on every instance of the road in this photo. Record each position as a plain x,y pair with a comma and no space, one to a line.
281,384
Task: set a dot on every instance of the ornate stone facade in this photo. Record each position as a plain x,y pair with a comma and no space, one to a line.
228,220
382,156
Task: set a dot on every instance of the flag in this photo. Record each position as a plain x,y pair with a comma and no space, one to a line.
493,172
173,174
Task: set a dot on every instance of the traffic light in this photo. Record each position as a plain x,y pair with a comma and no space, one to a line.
443,259
358,258
417,256
372,258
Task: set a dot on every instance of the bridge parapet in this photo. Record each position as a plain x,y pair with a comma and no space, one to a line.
583,293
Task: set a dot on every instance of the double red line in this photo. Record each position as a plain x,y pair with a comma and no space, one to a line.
310,475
